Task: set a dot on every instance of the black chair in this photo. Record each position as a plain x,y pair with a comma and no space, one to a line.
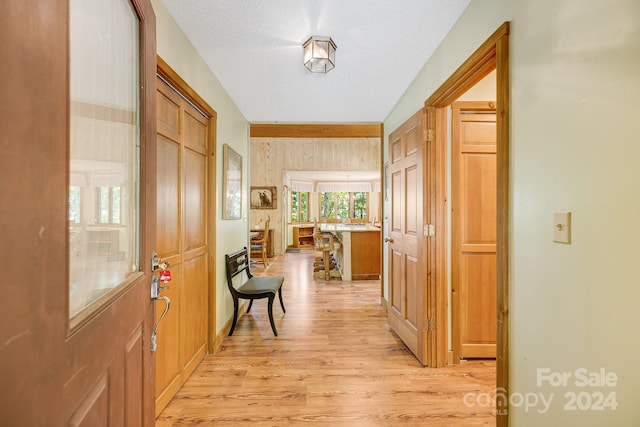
253,288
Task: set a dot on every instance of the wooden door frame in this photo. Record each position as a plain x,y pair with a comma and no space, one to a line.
493,54
166,73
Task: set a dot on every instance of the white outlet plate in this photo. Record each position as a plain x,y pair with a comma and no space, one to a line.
562,227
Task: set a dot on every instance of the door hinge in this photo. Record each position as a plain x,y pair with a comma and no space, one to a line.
430,324
428,135
429,230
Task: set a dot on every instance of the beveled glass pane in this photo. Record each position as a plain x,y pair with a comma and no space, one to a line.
104,149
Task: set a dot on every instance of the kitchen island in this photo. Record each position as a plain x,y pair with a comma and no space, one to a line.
358,257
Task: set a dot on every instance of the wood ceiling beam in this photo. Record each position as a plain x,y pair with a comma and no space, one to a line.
278,130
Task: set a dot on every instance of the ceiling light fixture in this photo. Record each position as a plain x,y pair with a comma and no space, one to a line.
319,54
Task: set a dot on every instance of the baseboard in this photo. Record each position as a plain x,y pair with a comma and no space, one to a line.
385,304
449,357
224,332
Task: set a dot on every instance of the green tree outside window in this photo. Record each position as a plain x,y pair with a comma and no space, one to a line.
299,206
343,205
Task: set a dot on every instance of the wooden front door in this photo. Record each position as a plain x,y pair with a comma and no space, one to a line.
182,237
77,213
473,234
407,289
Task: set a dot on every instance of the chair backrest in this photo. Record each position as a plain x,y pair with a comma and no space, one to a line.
323,241
262,238
332,220
357,221
266,230
236,263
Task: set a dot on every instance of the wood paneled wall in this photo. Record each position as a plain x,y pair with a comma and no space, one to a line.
270,157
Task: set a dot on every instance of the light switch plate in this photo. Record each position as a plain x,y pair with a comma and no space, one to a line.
562,227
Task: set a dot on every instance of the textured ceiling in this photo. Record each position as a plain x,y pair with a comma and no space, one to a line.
254,47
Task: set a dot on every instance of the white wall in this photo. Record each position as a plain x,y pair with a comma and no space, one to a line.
232,128
575,104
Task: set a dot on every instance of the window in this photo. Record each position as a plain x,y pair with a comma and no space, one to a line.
359,205
299,206
104,100
343,205
109,205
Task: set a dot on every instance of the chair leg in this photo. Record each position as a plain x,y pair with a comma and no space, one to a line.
281,303
264,258
273,325
235,316
327,265
250,304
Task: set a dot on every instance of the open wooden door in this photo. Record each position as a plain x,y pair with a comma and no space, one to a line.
407,289
473,236
77,213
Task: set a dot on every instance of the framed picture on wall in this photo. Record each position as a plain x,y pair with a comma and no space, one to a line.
262,198
232,184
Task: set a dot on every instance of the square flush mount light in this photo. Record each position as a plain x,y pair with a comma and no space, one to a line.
319,54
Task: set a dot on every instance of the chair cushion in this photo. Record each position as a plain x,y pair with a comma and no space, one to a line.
257,285
256,247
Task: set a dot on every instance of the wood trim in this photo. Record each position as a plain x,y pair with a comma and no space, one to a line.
502,241
442,250
383,191
213,214
455,233
170,76
431,246
492,54
475,68
475,106
436,207
224,332
384,304
277,130
108,113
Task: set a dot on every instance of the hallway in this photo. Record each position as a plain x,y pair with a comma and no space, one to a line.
334,363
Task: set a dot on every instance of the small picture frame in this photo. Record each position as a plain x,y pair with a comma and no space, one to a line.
263,198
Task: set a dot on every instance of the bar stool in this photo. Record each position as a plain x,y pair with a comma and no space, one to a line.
327,243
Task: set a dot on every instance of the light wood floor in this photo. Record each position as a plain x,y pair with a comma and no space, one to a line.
334,363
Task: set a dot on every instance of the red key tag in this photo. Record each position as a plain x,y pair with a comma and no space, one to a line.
165,276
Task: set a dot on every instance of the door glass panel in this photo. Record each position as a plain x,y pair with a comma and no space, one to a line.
104,150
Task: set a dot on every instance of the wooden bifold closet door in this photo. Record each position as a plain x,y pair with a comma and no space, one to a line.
474,230
182,240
